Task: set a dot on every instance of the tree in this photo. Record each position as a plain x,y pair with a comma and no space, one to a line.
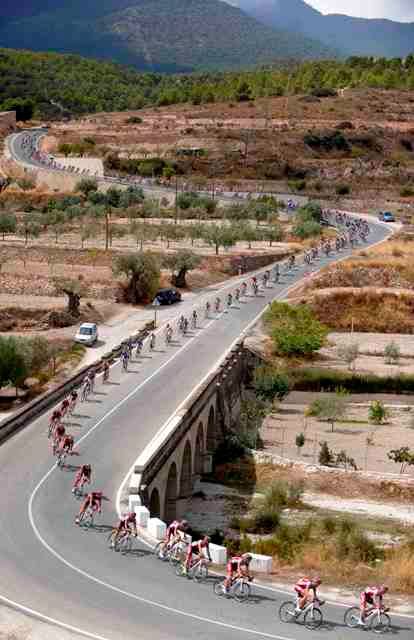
273,234
326,457
402,456
219,236
270,383
86,186
143,273
392,353
343,460
8,223
300,441
13,366
24,108
349,353
295,330
377,412
74,290
30,227
180,264
56,219
330,408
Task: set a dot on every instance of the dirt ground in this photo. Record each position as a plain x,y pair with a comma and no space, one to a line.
367,443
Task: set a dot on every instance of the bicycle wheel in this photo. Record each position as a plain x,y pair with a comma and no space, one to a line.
313,618
242,591
179,570
111,538
380,623
218,588
125,544
351,617
200,574
287,612
157,550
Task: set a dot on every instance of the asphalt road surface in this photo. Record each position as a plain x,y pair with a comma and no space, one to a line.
66,573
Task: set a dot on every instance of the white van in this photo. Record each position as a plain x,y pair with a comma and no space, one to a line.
87,334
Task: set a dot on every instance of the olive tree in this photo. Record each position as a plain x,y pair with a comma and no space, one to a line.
142,271
180,264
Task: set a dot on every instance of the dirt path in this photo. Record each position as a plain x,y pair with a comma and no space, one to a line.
393,511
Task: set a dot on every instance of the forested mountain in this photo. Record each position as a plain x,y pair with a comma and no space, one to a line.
159,35
43,81
354,36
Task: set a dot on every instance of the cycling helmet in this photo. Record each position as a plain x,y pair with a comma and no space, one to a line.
316,580
132,515
247,556
383,588
184,523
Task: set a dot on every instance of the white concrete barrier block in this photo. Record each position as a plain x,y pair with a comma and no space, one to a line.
143,515
260,563
157,528
218,553
134,483
133,502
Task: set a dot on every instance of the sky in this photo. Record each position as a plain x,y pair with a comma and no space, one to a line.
402,10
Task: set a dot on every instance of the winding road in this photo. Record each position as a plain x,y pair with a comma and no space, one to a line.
66,574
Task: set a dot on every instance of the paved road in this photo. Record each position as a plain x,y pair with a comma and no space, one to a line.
22,155
67,573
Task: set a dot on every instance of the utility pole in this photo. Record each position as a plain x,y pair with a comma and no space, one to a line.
176,198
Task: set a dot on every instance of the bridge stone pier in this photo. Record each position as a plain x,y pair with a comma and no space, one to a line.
182,451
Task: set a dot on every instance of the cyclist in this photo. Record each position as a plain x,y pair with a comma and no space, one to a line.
237,567
64,407
208,307
276,273
106,369
139,346
168,333
152,341
197,549
237,295
303,588
127,523
58,435
92,501
194,319
174,531
66,444
243,288
86,388
73,400
82,477
92,374
229,299
217,305
54,421
371,596
125,359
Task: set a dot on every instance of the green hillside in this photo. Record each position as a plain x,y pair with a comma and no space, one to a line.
159,35
52,82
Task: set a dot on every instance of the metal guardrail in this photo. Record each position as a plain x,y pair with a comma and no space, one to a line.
39,405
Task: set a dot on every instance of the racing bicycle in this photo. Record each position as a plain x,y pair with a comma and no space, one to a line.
239,589
376,619
312,615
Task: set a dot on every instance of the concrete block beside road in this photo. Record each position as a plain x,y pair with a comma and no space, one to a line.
133,502
135,483
218,553
260,563
157,528
143,515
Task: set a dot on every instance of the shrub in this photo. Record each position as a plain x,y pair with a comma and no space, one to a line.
307,229
349,353
392,353
407,192
297,185
134,120
300,441
330,141
329,525
326,457
377,412
270,383
314,379
342,189
295,330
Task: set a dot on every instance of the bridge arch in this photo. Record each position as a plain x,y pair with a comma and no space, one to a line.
155,505
211,431
199,450
186,476
170,507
